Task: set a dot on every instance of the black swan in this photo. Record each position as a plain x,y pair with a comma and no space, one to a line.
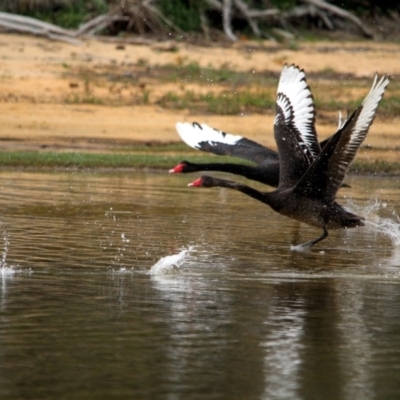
310,178
203,137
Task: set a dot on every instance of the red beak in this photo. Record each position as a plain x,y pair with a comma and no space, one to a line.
197,183
176,170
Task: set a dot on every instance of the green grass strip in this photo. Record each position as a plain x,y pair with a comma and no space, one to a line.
153,160
35,159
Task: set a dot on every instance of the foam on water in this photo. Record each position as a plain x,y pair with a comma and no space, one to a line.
170,264
389,227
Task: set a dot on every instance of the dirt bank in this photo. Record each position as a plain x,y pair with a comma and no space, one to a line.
34,86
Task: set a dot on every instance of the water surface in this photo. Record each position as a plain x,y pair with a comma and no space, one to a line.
243,317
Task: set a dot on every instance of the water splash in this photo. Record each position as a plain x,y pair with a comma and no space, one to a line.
124,239
8,271
5,249
5,270
389,227
170,264
300,248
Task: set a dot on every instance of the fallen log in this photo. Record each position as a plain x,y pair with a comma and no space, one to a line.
33,22
19,23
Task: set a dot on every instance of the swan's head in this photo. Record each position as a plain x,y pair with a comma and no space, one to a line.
183,167
203,181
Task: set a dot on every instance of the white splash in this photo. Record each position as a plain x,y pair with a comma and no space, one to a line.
300,248
5,270
5,249
124,239
169,264
386,227
389,227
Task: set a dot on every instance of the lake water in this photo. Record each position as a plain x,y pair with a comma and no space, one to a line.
242,317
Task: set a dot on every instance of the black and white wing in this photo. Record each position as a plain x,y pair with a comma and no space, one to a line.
327,173
294,126
203,137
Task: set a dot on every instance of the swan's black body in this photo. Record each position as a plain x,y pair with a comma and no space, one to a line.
309,177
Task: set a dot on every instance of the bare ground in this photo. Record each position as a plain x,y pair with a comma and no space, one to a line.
34,87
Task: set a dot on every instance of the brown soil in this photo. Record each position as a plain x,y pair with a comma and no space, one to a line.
34,86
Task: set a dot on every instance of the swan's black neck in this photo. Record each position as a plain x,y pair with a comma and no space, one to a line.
258,174
254,193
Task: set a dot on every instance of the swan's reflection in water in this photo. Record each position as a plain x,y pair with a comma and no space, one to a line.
283,346
356,349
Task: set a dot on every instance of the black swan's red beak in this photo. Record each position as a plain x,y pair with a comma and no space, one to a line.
177,170
197,183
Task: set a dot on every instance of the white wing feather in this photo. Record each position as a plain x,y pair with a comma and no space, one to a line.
367,115
193,134
295,99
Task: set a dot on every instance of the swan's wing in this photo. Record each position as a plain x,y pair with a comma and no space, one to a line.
326,175
351,139
203,137
294,126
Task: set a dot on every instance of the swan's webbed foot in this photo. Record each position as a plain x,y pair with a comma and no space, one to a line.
307,245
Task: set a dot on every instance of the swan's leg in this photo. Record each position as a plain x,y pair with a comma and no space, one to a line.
311,242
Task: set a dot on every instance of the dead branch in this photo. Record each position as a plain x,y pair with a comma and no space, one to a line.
314,8
142,17
29,21
341,13
227,19
157,12
243,8
325,19
19,23
98,23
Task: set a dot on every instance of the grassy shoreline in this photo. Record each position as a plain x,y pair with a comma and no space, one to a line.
154,160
